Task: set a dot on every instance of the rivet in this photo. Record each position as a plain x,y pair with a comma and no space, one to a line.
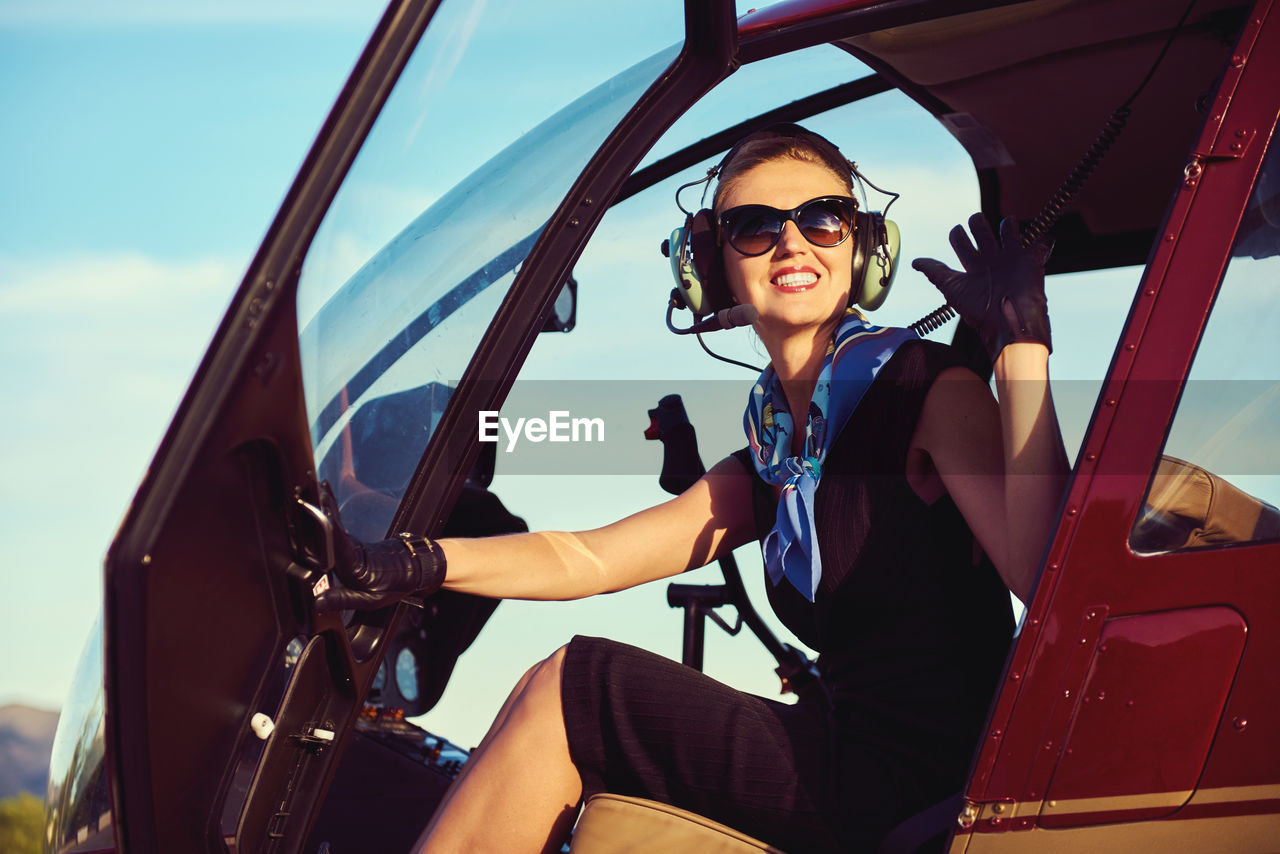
1169,237
1033,622
1014,677
1090,457
270,285
1102,648
996,733
1048,745
1111,401
1240,723
146,560
1066,695
1131,347
1189,183
1102,695
1237,61
1235,146
998,808
1093,615
1241,133
1053,566
573,223
1084,641
586,203
1053,803
1087,699
1128,704
997,822
1032,795
1071,511
1069,751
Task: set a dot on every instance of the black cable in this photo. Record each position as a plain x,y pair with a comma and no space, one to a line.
715,355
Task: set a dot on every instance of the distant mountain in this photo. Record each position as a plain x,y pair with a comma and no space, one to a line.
26,739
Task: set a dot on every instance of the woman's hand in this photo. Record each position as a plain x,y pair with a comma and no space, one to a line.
375,575
1001,291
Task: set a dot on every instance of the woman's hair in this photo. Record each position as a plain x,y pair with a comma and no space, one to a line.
775,143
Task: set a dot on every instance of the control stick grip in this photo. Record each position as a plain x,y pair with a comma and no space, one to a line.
681,463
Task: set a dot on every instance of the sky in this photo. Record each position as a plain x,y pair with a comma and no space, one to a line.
146,148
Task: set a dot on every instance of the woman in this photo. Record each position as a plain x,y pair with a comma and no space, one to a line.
918,499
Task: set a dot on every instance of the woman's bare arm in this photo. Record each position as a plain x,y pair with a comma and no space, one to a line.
1004,465
709,519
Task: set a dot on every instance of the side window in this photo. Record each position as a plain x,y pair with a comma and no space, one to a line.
1218,481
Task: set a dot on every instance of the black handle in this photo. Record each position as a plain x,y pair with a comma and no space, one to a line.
681,463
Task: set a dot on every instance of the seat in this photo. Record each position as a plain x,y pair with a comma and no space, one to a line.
617,824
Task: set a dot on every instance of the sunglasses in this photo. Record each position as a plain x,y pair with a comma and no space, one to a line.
755,229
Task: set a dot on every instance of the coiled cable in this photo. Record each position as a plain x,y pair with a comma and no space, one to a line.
1049,215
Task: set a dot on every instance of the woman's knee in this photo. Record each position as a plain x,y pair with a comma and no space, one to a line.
541,680
545,675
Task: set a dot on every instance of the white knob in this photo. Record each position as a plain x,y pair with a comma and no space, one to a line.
261,725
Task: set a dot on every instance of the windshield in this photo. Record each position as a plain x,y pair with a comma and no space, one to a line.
78,803
393,312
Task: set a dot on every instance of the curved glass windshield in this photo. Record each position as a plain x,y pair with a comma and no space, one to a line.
78,803
409,267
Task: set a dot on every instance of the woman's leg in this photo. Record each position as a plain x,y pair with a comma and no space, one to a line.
519,791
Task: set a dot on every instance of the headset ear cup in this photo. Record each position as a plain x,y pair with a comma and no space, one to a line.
708,263
875,259
688,289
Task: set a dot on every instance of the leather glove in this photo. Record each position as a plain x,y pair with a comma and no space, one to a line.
1001,291
375,575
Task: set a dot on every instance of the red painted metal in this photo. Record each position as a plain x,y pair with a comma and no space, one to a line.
1145,716
1090,564
792,12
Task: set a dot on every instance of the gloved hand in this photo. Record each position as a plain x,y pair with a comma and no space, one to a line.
375,575
1001,291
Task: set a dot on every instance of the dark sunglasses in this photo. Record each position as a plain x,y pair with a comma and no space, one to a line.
755,229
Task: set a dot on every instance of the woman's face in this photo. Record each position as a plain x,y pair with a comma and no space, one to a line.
796,285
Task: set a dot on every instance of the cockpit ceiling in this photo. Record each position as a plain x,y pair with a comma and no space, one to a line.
1027,88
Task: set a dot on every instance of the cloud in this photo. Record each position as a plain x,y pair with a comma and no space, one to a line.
97,350
100,348
31,287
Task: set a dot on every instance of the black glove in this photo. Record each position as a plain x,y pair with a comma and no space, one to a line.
1001,291
375,575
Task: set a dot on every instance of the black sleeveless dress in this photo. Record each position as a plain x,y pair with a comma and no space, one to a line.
912,624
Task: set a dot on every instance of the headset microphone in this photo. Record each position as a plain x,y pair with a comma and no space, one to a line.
728,318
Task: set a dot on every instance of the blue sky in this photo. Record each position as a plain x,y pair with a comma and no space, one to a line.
146,148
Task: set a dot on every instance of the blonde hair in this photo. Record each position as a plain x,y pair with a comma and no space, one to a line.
786,141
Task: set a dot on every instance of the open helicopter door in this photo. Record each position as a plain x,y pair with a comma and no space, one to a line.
1135,710
228,696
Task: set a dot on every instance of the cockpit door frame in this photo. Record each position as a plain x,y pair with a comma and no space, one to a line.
1093,580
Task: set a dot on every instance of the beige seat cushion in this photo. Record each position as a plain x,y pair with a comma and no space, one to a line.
616,824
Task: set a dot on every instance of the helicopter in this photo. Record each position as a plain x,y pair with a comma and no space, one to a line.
414,281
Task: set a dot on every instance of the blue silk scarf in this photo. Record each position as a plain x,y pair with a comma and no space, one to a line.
855,355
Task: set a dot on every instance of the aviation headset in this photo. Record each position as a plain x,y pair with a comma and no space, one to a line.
695,247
